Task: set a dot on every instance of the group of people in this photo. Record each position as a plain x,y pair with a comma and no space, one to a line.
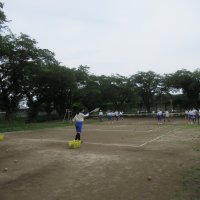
79,119
192,115
114,115
163,115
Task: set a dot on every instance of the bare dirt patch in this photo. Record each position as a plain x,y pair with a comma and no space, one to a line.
114,162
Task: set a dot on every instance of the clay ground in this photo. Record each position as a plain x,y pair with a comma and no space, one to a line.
113,162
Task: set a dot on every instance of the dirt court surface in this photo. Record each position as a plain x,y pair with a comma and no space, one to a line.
113,163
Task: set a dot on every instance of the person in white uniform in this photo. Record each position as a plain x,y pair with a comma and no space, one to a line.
78,120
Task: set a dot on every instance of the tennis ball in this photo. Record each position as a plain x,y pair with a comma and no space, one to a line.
5,169
149,178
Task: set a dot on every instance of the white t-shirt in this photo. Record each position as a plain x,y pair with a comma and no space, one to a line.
116,113
79,117
100,113
194,112
159,113
166,113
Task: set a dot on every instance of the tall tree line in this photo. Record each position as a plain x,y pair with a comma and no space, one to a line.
31,74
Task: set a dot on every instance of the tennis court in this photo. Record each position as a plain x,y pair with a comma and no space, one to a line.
132,159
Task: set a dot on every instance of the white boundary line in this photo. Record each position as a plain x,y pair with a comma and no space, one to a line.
152,140
103,144
106,144
20,140
136,146
117,130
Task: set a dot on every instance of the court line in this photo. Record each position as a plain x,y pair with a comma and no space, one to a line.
106,144
117,130
136,146
20,140
125,130
154,139
61,141
103,144
137,131
114,130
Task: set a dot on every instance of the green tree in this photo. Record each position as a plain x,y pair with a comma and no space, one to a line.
49,87
82,75
40,81
16,54
21,61
187,82
147,84
117,91
3,18
64,86
81,78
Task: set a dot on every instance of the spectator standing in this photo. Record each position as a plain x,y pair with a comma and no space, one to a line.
100,115
159,116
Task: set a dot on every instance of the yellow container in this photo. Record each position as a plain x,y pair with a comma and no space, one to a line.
73,144
1,137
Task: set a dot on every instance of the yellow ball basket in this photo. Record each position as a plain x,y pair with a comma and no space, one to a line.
74,144
1,137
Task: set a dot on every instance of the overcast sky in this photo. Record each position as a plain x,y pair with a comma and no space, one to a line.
113,36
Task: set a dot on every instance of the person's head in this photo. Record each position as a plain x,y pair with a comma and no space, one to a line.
81,110
78,110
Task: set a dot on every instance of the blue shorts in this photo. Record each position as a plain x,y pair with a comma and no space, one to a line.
159,117
109,117
78,126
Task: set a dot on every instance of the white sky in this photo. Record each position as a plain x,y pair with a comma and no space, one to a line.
113,36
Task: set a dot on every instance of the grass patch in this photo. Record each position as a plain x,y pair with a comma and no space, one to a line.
21,125
183,126
189,126
197,149
191,181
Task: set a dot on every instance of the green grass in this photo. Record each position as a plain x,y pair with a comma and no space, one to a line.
197,149
191,180
189,126
20,125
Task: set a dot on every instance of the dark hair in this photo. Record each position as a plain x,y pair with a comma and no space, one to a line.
79,110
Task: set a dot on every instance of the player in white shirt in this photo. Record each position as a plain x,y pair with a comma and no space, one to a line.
167,115
116,114
78,120
100,115
159,116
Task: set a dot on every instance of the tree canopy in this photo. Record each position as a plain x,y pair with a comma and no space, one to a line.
3,18
32,75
